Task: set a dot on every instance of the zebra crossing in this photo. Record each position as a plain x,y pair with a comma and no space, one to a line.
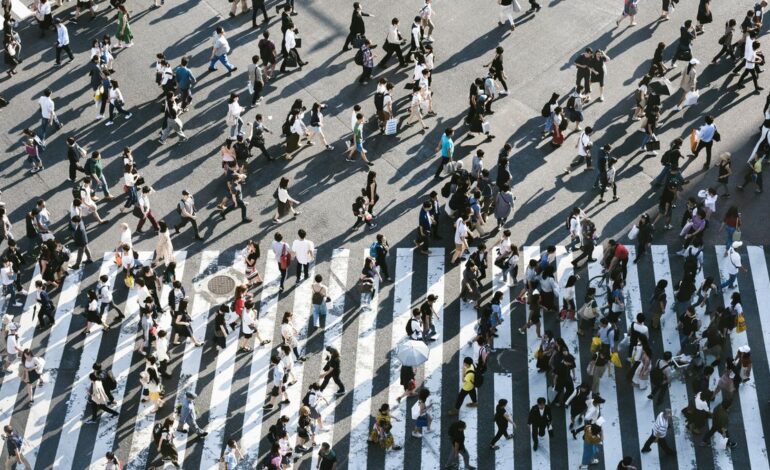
53,424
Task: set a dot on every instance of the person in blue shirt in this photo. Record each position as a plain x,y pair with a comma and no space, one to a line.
424,227
188,416
185,81
447,148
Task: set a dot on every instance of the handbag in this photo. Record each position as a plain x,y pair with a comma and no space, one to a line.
634,232
693,140
615,358
118,259
596,343
591,368
285,259
740,323
298,43
652,145
391,126
486,127
737,235
129,280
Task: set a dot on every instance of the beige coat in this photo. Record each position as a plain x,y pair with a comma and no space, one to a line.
164,251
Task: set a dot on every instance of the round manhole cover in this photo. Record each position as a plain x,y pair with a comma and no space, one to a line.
221,285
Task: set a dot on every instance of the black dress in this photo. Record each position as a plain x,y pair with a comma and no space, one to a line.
704,15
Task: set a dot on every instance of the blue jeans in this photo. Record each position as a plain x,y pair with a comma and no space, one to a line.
729,231
319,310
647,137
101,183
729,282
222,58
44,126
573,244
133,197
589,452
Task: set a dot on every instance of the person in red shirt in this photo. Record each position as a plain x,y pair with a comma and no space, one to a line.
619,258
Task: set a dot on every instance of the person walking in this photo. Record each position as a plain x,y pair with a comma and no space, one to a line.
98,399
659,432
539,419
468,374
358,140
165,441
256,7
629,11
457,436
172,121
185,80
357,26
235,187
80,238
284,202
720,419
331,371
220,48
62,42
14,444
707,135
233,455
188,416
48,115
446,147
502,418
187,213
393,43
124,35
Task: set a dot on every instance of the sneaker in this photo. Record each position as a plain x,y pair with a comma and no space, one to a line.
340,393
109,123
128,116
416,434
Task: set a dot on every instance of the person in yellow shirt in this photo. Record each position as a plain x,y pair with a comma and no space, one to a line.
468,388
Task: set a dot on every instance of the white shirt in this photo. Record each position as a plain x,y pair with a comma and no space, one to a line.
733,261
6,275
62,35
303,251
278,248
283,196
47,108
418,68
298,127
641,329
290,39
129,179
416,33
10,345
460,231
583,143
278,375
574,226
144,203
249,321
115,95
393,36
161,349
125,237
353,120
429,61
104,292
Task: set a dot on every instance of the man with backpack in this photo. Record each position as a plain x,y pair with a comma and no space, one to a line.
14,443
283,255
669,160
468,374
427,312
660,378
357,26
587,241
457,436
187,212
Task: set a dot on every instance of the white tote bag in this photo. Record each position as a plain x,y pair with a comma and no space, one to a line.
634,232
390,126
516,6
691,98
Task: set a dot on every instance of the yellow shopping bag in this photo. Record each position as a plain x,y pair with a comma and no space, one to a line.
615,358
596,343
740,323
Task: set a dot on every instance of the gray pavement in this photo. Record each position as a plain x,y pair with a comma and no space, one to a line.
538,61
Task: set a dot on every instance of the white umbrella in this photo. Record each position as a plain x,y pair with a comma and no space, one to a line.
413,353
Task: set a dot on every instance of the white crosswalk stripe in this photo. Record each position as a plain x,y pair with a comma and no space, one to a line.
333,326
402,302
433,447
223,380
677,390
53,356
121,366
755,437
191,359
142,436
78,398
362,384
645,413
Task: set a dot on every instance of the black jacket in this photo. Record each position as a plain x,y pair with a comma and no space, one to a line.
79,236
357,25
535,419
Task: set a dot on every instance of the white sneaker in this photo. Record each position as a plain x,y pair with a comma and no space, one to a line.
504,93
416,434
128,116
109,123
23,292
17,304
99,116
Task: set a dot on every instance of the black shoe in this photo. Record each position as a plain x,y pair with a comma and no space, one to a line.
646,449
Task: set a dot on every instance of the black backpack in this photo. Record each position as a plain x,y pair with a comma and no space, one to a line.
306,399
241,151
359,58
409,329
76,191
691,263
546,111
157,433
657,376
109,381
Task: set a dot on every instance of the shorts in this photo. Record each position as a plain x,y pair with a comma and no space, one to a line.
316,129
247,335
459,246
360,148
275,391
421,421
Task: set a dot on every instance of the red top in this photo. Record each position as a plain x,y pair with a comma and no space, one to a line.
621,252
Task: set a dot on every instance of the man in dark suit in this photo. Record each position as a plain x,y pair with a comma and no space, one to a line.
540,420
357,25
80,237
258,5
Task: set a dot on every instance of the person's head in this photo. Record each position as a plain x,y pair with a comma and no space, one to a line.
709,119
220,30
688,23
541,403
284,183
467,361
325,448
301,234
394,22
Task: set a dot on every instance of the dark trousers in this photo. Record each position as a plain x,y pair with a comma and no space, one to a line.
186,97
185,221
585,77
501,431
73,170
534,4
711,432
587,249
295,53
239,204
254,9
163,369
43,313
413,49
95,410
65,49
614,189
366,75
658,392
499,77
300,268
105,99
392,49
422,239
754,77
707,146
461,397
441,166
662,444
336,379
119,107
726,49
258,86
148,216
105,308
537,431
383,265
260,146
283,274
348,40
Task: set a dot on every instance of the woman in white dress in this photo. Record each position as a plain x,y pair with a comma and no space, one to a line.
164,250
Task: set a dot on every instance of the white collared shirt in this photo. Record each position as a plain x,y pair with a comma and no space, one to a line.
62,35
47,108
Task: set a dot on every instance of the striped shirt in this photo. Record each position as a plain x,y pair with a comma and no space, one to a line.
660,426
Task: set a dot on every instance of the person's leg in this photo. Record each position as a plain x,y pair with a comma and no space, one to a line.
338,382
68,50
460,399
58,55
708,146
